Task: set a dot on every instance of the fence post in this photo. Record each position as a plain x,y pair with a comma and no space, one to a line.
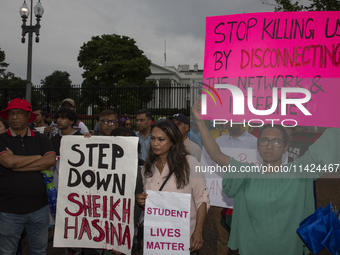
48,101
141,95
6,98
93,106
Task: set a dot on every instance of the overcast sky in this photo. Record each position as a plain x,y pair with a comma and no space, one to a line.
67,24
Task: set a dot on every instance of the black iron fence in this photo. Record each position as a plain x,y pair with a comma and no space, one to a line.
162,100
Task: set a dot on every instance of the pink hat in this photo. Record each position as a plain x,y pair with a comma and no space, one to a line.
18,103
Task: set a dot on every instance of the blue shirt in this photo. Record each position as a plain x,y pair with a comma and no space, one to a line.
145,146
195,137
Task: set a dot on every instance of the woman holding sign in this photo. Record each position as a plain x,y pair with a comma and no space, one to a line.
168,158
270,204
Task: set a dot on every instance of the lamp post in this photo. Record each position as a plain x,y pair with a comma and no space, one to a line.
24,13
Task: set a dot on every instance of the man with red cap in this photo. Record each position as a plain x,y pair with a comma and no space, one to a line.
23,200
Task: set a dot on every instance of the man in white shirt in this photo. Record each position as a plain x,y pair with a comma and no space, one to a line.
182,123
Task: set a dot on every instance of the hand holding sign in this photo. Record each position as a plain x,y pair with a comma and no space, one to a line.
196,109
141,197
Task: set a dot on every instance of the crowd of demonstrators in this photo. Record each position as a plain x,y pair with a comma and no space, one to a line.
26,151
23,200
182,123
268,210
168,158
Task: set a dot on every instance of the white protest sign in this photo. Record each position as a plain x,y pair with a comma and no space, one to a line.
214,175
167,223
97,179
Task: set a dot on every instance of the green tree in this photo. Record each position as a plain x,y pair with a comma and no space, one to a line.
288,6
111,61
315,5
56,87
12,86
3,64
324,5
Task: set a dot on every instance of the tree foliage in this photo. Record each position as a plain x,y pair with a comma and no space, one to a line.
324,5
3,64
315,5
288,6
10,85
56,87
112,61
58,79
109,59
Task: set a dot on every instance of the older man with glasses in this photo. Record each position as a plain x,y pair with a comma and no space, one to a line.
108,121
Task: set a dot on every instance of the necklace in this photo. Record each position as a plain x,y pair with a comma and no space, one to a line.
162,164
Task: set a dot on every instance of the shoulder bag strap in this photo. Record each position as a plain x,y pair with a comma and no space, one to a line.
167,178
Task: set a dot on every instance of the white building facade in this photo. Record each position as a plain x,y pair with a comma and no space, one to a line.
174,85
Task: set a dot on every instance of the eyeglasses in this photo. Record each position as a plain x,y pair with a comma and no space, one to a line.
128,124
106,122
276,143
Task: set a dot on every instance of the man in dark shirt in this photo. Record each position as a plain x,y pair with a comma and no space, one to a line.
65,120
23,200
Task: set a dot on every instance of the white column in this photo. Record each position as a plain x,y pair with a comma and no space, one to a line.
172,94
157,94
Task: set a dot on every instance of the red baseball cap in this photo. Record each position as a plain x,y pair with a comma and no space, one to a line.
18,103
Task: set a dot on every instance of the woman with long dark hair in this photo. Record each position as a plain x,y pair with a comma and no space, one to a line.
168,157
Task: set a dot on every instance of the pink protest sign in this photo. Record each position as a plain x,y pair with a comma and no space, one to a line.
284,68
